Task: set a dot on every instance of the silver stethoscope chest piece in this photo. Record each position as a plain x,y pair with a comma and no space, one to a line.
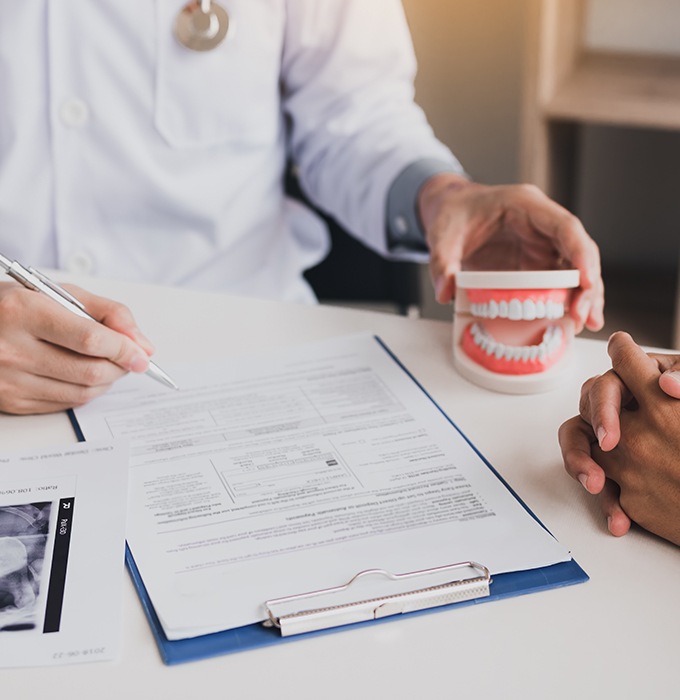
201,25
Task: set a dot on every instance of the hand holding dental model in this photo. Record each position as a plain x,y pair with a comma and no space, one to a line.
470,226
502,251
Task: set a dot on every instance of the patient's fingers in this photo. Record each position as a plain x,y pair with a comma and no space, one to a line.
618,523
576,439
669,381
602,400
637,370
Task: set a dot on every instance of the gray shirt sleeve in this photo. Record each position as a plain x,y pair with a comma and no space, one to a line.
405,232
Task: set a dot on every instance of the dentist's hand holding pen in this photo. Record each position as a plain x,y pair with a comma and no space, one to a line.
55,355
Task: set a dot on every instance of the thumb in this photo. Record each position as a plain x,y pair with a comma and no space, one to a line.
669,382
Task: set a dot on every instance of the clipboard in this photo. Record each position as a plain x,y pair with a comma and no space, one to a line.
260,635
306,618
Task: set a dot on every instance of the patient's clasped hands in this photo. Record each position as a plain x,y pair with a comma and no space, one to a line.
625,444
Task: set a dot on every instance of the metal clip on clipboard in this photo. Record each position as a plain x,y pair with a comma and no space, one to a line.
291,614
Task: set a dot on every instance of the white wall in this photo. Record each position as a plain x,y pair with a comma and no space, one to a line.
470,55
652,26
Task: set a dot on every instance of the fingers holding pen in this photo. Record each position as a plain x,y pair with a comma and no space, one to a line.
88,340
23,393
52,359
113,315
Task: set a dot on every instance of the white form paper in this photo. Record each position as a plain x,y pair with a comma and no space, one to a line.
289,472
62,554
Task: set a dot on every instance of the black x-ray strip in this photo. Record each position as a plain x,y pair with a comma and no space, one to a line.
57,585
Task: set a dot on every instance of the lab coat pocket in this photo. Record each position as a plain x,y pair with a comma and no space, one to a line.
229,94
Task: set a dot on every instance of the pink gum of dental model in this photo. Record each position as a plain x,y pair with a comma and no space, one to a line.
511,329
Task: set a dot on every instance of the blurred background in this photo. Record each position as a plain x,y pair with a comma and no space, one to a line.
485,73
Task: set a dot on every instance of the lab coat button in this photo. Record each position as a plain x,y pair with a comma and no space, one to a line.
80,263
74,112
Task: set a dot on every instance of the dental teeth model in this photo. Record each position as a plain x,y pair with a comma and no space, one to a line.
511,329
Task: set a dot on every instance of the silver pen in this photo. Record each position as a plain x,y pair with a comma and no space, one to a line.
32,279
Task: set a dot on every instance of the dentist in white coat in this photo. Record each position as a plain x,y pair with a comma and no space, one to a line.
126,153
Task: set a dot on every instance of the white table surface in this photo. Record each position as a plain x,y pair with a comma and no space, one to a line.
612,637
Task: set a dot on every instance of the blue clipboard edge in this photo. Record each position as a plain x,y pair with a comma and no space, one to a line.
257,635
254,636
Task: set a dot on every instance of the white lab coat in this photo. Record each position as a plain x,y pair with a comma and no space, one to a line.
126,155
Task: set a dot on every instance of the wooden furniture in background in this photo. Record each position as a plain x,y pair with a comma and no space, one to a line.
569,84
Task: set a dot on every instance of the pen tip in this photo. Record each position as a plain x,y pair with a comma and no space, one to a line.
159,375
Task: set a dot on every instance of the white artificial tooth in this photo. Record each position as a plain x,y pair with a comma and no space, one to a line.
556,338
526,351
500,351
517,354
542,352
493,309
540,309
484,311
503,309
533,352
554,310
529,310
515,310
509,351
490,346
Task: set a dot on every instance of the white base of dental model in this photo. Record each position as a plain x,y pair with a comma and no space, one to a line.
511,331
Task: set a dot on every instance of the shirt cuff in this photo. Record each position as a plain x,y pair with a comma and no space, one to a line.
405,232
